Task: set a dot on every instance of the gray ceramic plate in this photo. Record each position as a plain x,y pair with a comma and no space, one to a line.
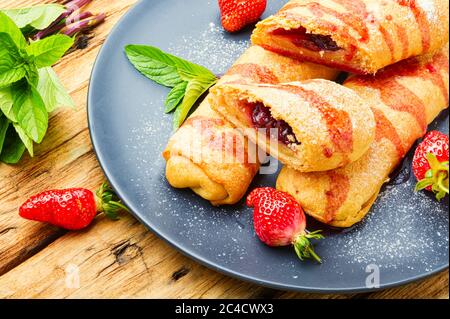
405,236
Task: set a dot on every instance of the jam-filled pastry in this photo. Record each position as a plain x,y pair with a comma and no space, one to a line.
359,36
405,98
315,125
209,155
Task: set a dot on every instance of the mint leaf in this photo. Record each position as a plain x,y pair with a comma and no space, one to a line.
49,50
24,138
4,123
8,26
154,64
31,113
7,103
11,63
52,91
13,148
175,96
194,90
31,73
38,17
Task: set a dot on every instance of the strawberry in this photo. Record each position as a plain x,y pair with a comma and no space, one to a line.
280,221
430,164
236,14
73,208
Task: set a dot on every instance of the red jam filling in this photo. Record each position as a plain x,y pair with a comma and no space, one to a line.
313,42
261,118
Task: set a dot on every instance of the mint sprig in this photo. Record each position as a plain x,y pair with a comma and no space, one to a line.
189,81
38,17
29,88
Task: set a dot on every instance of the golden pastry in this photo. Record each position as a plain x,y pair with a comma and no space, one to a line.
314,125
197,156
359,36
405,97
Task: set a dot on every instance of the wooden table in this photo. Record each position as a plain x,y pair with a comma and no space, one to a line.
113,259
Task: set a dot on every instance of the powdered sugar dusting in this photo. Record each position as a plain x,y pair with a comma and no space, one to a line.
399,232
212,48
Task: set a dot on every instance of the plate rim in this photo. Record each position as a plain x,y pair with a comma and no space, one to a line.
189,253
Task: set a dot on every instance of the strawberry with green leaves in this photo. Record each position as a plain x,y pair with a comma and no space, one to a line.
73,208
279,220
430,164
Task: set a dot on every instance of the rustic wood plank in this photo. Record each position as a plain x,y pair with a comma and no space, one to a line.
122,259
64,159
115,259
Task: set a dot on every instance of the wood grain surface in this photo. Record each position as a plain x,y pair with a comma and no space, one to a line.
114,259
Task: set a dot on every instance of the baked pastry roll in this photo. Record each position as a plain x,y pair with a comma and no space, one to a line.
209,155
359,36
314,125
405,98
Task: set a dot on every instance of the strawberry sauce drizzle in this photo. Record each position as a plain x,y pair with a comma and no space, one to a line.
400,98
422,21
404,40
339,124
254,72
226,142
336,194
385,129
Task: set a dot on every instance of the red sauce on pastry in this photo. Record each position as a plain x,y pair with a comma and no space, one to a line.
396,95
404,40
439,62
336,194
254,72
389,41
226,142
385,129
422,21
339,124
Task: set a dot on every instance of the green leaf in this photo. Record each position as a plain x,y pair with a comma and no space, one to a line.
7,103
24,138
175,96
196,87
11,63
49,50
4,123
39,17
8,26
154,64
13,148
32,74
31,113
52,91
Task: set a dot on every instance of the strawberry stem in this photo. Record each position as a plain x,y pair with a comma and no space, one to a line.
303,246
437,177
108,203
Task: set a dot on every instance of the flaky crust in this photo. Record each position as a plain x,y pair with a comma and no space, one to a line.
225,182
333,125
372,33
406,97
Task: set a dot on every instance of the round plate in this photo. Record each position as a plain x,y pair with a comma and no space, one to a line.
404,238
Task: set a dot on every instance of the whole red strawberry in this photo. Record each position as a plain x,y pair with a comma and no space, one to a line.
73,208
280,221
430,164
236,14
